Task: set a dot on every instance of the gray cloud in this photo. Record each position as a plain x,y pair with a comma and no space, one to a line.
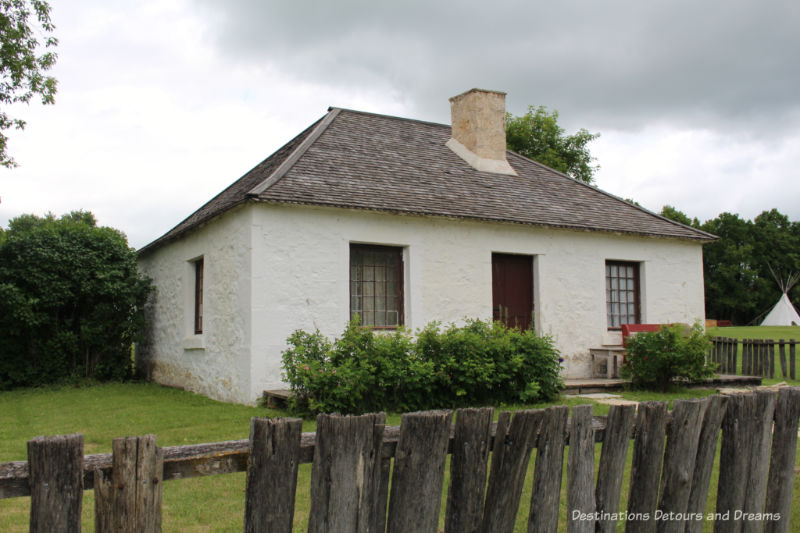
717,64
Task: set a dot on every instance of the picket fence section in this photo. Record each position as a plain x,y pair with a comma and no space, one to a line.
355,457
758,356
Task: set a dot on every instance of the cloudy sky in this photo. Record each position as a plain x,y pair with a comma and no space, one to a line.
164,103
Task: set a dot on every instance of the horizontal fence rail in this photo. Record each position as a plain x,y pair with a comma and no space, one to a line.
356,458
757,356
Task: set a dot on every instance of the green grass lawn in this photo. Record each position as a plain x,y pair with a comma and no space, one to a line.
214,503
775,333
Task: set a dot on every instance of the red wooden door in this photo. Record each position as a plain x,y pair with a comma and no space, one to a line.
512,290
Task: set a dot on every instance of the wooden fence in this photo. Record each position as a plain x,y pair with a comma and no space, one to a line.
354,459
758,356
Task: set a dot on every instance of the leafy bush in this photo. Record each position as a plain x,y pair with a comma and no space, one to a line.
364,371
655,359
71,300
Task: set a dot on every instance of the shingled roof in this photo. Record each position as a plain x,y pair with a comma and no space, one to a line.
356,160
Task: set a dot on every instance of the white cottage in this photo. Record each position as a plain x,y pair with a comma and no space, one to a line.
405,222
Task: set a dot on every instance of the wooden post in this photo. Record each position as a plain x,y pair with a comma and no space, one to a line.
546,493
418,477
55,467
738,427
612,463
782,349
468,466
648,449
136,485
759,459
733,355
131,500
782,462
679,458
580,470
771,358
792,354
745,359
513,444
704,463
272,474
345,476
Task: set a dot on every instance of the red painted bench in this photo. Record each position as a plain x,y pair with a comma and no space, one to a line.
629,329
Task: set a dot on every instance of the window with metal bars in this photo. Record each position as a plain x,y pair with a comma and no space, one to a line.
376,285
622,293
198,296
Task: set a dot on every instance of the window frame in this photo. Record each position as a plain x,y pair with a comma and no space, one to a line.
199,278
636,291
397,252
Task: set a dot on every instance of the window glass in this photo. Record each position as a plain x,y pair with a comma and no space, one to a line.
376,285
622,293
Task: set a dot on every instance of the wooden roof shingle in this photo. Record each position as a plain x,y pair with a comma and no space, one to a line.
356,160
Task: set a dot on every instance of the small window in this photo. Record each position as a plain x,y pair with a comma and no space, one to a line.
198,296
622,293
376,285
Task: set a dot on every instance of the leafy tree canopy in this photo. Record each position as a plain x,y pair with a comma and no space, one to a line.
739,266
537,135
679,216
71,300
24,61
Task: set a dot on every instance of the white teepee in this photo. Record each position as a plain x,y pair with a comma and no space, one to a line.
784,313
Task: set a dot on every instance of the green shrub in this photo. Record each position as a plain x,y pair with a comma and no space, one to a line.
477,364
71,300
655,359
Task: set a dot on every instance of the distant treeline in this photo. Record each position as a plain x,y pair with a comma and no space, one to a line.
739,284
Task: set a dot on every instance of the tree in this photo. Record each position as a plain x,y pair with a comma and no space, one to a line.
739,266
730,270
537,135
23,61
71,300
679,216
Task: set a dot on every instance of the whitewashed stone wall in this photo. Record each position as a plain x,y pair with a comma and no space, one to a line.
215,363
272,269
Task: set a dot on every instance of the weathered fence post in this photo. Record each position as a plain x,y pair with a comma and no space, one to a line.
792,354
513,444
782,349
782,462
734,364
679,458
648,449
612,463
759,459
546,493
580,471
468,466
418,476
704,463
771,358
55,466
135,489
738,428
272,474
345,476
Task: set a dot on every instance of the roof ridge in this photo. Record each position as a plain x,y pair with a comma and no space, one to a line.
394,117
295,156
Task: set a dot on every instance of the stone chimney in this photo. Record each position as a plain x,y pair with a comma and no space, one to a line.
479,130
